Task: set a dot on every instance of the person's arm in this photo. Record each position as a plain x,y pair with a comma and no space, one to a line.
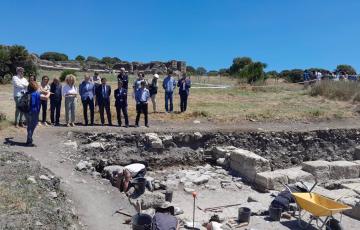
18,83
179,82
174,84
164,84
189,83
109,91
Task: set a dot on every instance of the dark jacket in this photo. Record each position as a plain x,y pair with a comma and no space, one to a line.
120,97
99,94
153,87
185,90
57,93
125,80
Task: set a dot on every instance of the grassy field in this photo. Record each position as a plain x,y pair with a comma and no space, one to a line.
280,102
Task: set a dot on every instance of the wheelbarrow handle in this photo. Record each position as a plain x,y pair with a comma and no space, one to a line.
316,182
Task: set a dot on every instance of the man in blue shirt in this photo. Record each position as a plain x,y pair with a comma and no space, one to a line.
87,92
184,85
142,96
169,84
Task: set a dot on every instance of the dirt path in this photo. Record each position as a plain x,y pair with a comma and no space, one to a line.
95,200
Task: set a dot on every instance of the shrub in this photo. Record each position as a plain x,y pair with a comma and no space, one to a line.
340,90
6,79
66,72
54,56
2,116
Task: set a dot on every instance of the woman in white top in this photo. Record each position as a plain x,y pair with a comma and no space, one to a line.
44,96
20,87
69,91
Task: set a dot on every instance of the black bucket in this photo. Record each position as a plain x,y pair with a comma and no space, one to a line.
275,213
168,196
141,221
244,215
139,184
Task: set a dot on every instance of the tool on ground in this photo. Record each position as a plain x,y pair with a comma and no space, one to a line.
123,213
218,208
194,196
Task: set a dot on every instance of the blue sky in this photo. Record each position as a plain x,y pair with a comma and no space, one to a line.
284,34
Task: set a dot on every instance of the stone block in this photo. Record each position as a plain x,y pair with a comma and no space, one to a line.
344,170
247,164
272,180
352,186
319,169
154,140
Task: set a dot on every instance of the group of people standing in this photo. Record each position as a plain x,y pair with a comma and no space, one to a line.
94,91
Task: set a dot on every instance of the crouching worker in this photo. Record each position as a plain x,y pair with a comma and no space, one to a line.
214,223
164,218
126,180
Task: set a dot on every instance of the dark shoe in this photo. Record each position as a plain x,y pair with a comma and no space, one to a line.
147,126
126,126
136,126
57,124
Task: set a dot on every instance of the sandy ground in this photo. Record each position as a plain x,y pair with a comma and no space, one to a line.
96,200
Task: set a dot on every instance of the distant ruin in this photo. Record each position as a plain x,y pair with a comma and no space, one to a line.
132,67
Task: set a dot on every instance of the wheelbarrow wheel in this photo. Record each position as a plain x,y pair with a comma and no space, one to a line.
333,224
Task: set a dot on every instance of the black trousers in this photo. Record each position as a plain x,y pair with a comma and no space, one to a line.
55,108
88,103
183,102
43,105
105,106
142,108
122,109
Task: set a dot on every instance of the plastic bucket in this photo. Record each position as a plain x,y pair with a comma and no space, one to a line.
168,196
275,213
141,221
244,215
139,184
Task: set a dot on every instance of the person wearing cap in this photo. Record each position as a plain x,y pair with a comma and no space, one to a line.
153,87
142,96
120,95
124,78
169,84
20,84
87,93
103,93
184,85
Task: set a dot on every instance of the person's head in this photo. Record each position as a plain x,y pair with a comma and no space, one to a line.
214,218
70,79
87,77
156,76
103,81
122,70
142,84
45,80
20,71
56,81
120,84
141,75
32,78
183,76
32,87
96,74
169,72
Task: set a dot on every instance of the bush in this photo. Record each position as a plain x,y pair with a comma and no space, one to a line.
65,73
6,79
2,116
54,56
340,90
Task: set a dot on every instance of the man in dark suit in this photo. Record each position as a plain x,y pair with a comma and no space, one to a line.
103,93
120,95
184,85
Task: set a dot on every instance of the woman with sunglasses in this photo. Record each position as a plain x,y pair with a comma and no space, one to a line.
44,96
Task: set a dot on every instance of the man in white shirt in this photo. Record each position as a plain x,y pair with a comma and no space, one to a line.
20,84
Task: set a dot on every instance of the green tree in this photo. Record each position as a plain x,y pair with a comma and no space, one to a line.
346,69
80,58
66,72
294,75
253,72
190,70
224,72
238,64
201,71
92,59
110,61
54,56
212,73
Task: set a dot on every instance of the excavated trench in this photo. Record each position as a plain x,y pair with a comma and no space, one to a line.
282,149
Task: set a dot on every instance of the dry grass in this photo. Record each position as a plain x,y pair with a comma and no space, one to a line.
339,90
282,101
